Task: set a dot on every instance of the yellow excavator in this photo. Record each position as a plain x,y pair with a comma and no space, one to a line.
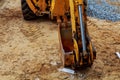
76,48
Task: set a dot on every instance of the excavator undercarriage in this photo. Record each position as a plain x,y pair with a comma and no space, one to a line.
76,48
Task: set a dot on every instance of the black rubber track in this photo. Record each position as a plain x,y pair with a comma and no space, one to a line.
27,12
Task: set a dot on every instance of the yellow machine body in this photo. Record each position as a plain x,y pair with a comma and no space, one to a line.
68,18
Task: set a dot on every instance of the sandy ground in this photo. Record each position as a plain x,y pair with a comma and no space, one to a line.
29,49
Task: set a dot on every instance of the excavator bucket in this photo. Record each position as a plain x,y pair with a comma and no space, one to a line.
66,46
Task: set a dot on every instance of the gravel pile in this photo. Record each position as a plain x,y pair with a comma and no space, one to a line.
103,10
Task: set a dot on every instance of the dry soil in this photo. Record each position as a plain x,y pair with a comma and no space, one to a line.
29,50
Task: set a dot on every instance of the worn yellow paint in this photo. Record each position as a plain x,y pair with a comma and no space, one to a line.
35,1
80,1
52,8
32,7
72,12
76,50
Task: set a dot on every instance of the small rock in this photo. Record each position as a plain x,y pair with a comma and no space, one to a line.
118,54
53,63
37,78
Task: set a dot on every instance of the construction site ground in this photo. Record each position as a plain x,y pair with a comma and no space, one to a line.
29,50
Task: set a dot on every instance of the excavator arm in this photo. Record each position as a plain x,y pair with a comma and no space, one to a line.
76,49
82,53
